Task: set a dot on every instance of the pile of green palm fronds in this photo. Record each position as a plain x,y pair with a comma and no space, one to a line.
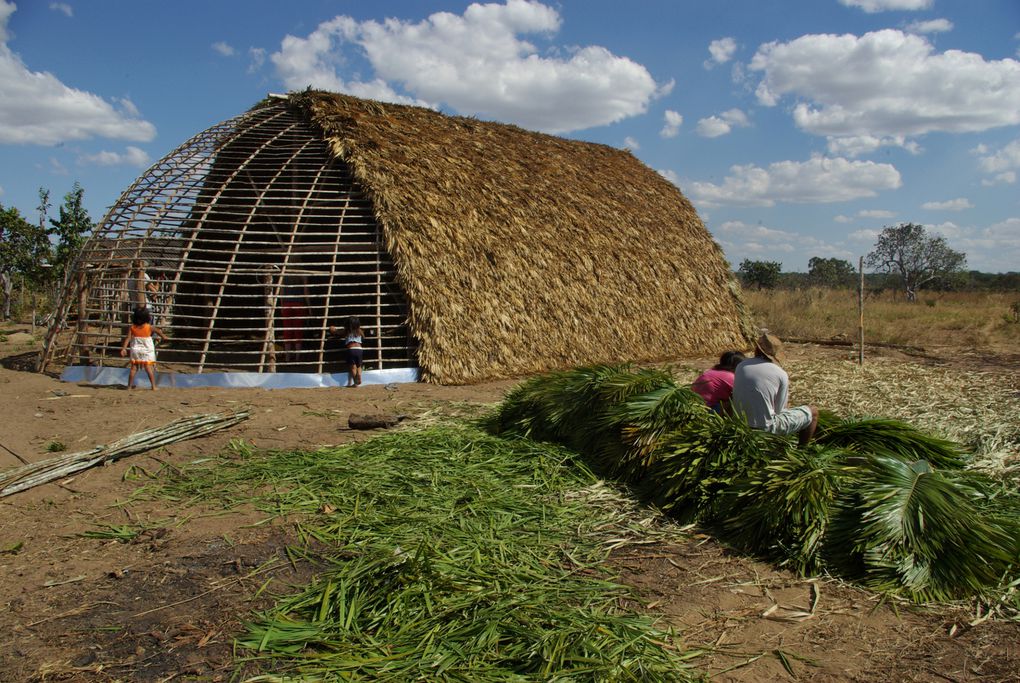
445,554
874,500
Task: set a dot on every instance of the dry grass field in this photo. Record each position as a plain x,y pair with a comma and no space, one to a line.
937,320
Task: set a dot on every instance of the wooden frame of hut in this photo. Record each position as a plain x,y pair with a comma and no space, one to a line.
468,249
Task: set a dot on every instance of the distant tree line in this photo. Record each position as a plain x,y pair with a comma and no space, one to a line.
905,258
35,256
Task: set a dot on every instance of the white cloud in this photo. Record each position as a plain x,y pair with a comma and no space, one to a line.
714,126
875,213
62,7
1004,178
886,84
872,6
672,126
843,219
477,64
257,57
818,180
57,168
958,204
631,144
995,248
131,156
743,240
1005,159
223,48
865,236
722,51
36,108
932,26
671,176
859,145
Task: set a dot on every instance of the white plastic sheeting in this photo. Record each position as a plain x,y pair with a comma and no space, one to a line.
106,376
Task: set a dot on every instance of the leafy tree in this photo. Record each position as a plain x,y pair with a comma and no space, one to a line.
919,259
24,249
760,274
72,228
830,272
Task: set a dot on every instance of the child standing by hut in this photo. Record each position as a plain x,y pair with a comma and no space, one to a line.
353,340
143,350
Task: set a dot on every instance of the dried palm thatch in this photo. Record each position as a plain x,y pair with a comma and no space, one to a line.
475,250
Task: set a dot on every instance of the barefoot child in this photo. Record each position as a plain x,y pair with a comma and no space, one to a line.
353,338
143,350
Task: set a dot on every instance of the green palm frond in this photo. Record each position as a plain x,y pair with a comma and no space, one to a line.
895,439
907,527
523,412
782,510
691,468
641,421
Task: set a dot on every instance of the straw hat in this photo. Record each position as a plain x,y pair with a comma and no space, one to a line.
772,348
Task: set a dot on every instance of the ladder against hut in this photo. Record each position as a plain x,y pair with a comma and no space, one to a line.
237,221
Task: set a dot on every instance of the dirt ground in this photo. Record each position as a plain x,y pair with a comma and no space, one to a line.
166,605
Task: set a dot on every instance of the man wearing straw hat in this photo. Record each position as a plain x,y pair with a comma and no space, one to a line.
761,390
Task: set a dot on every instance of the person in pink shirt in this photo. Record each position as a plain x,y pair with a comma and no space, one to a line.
716,385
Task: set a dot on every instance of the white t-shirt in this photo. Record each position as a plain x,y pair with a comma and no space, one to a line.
760,390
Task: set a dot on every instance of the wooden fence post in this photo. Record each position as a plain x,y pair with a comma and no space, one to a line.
860,310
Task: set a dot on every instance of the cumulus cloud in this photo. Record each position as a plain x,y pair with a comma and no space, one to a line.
223,48
816,181
875,213
714,126
131,156
62,7
1004,178
843,219
1001,164
885,84
873,6
671,176
958,204
256,57
631,144
932,26
722,51
859,145
36,108
742,240
864,236
993,248
673,121
476,63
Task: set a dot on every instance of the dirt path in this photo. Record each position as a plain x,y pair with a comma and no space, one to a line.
166,605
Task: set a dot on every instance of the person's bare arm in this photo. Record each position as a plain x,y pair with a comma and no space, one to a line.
127,340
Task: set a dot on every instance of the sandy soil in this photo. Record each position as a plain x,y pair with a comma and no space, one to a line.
165,606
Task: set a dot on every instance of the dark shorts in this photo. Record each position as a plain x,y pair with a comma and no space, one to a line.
354,355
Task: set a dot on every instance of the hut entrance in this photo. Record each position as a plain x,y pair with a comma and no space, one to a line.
249,241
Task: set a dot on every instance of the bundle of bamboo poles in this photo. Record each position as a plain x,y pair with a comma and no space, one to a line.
36,473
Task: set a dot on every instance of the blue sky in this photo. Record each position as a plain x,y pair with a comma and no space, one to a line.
798,128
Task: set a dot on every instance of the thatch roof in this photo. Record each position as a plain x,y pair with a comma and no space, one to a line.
521,252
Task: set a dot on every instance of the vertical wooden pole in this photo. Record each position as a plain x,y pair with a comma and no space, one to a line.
860,310
83,298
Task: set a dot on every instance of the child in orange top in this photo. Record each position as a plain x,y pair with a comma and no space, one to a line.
143,350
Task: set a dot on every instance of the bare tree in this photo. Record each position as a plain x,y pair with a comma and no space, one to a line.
918,258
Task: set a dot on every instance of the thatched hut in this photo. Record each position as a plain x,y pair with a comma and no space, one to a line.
471,250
